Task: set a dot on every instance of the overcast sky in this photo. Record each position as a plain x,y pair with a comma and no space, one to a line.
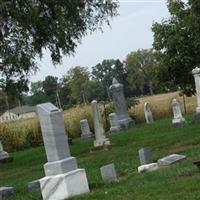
129,31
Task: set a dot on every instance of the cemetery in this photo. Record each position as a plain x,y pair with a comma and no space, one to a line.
125,128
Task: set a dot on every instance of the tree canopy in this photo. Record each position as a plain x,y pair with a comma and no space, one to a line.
178,43
142,67
27,27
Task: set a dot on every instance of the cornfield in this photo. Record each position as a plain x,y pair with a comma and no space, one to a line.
27,133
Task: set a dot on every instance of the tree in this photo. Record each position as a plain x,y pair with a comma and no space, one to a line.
27,27
37,95
50,87
178,43
141,68
64,90
107,70
78,77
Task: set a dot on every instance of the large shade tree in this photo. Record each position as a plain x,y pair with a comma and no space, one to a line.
142,67
178,43
29,26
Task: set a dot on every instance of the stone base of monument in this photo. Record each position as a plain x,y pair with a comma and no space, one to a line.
83,137
6,160
148,167
178,122
101,147
60,166
126,123
64,186
115,129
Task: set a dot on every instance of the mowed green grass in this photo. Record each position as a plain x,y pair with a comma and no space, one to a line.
178,181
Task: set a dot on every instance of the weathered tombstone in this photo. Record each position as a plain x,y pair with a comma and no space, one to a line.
108,173
4,156
148,167
63,178
85,129
6,193
145,156
116,90
168,160
178,118
100,138
114,125
148,113
196,74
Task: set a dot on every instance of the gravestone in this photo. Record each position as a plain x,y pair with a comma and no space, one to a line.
4,156
6,193
148,167
145,156
63,177
119,101
148,113
100,138
196,74
178,118
114,125
168,160
108,173
85,129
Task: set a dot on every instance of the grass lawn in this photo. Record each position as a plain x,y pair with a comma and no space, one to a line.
179,181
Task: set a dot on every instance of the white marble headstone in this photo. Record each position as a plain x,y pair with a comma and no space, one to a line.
63,178
148,113
100,138
3,154
176,108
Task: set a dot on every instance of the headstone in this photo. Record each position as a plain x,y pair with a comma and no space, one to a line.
34,185
168,160
148,113
148,167
6,193
100,138
178,118
85,129
114,125
196,74
116,90
108,173
3,155
63,178
145,156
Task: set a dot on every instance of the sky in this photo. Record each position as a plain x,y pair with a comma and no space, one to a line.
130,31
